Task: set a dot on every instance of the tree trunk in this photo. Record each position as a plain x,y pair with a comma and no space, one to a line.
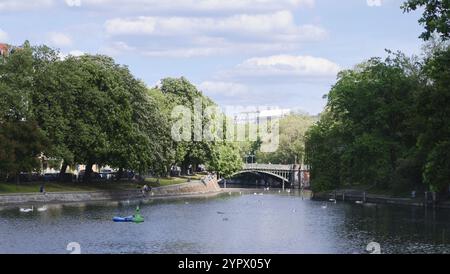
168,169
88,173
62,172
119,174
184,168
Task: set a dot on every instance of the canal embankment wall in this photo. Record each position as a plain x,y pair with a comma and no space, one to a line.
194,188
364,197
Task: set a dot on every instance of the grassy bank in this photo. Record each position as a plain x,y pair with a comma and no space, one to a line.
155,182
11,188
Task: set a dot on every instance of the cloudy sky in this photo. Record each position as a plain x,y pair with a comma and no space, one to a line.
283,53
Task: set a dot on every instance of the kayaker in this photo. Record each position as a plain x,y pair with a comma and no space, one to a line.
137,217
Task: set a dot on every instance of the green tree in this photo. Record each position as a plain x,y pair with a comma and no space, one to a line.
433,109
113,116
437,169
16,83
21,143
21,140
291,147
182,92
370,121
323,150
52,102
226,159
436,16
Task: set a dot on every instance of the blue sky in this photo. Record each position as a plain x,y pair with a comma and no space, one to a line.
282,53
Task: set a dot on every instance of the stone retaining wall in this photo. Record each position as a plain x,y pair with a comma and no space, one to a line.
192,188
353,196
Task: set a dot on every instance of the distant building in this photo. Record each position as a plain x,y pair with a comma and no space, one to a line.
4,49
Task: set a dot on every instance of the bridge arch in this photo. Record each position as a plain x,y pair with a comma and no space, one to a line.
261,172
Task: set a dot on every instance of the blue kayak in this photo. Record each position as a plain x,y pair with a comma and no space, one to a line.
136,218
128,219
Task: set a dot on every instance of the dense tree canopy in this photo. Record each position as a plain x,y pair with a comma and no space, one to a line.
21,139
89,110
225,159
385,125
436,16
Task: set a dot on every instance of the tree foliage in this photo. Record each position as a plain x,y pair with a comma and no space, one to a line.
436,16
385,124
89,110
225,159
291,140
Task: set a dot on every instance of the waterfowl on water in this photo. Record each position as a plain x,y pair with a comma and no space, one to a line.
26,210
42,209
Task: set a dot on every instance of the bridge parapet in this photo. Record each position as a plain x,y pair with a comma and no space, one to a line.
268,167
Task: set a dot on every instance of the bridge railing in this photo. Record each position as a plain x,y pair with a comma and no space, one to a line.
267,167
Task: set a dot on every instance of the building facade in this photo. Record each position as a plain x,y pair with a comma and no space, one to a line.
4,49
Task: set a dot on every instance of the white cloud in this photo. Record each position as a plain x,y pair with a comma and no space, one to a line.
14,5
184,52
73,3
76,53
278,25
60,39
198,47
374,3
286,65
205,36
116,48
228,89
3,36
195,5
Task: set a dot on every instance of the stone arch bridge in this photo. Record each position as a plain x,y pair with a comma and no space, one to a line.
294,175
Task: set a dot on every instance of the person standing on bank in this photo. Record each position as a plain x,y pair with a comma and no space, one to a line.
42,189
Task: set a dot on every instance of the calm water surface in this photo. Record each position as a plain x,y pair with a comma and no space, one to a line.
236,223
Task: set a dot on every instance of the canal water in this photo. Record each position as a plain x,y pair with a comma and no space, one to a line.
229,223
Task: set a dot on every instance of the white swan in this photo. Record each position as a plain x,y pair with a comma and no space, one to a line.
359,202
42,209
26,210
288,191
